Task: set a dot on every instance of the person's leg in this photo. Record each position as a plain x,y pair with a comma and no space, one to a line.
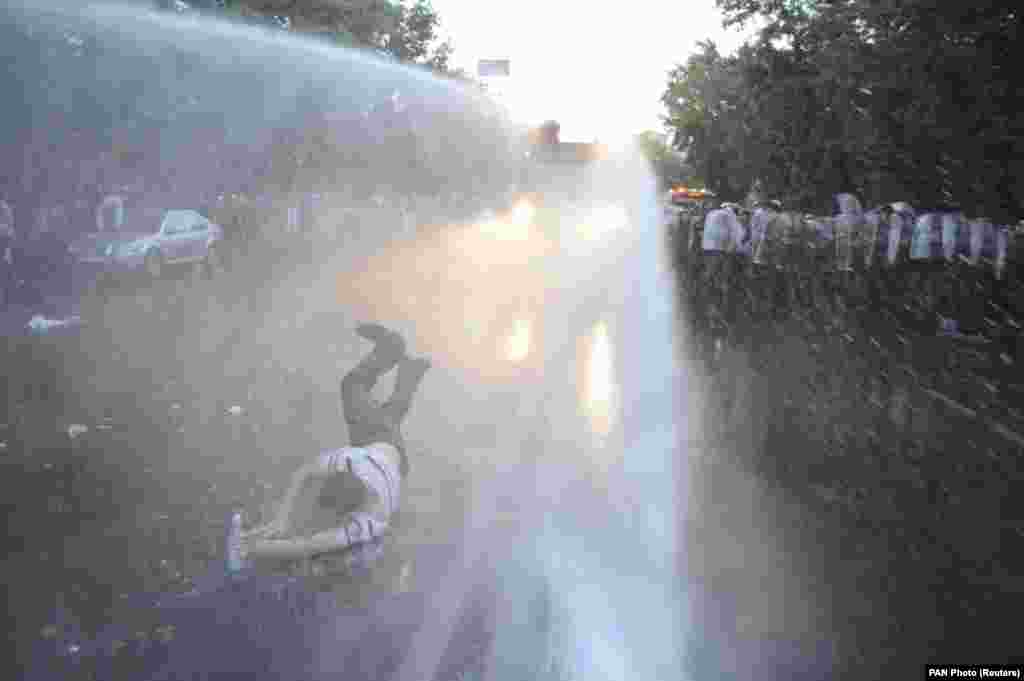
366,420
410,375
304,510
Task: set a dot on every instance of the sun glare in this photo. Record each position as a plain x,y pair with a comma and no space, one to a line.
523,213
599,393
603,220
517,345
514,226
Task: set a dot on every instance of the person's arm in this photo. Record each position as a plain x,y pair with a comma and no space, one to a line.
355,528
319,468
282,519
363,524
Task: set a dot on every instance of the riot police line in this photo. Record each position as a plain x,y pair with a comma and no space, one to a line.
954,262
870,288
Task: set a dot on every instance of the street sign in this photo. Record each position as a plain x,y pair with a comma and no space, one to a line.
487,68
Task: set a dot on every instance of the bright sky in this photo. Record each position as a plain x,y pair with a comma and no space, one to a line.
598,69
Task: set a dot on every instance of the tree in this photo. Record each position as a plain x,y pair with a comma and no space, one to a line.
440,61
892,99
652,146
668,164
415,32
408,32
707,109
359,22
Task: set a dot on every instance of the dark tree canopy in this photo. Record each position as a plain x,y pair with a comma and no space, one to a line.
406,31
162,127
910,100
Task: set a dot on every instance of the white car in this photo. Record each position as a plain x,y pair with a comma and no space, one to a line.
185,236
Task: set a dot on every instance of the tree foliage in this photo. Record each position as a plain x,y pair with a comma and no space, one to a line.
706,98
406,31
652,146
895,100
668,164
415,32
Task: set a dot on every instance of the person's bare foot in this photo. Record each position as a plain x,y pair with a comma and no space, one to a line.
391,342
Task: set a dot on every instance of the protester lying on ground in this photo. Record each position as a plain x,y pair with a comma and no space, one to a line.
348,496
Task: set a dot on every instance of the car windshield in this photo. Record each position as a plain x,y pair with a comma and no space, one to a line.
601,431
176,221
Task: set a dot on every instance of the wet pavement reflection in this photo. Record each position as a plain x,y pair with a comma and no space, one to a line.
599,393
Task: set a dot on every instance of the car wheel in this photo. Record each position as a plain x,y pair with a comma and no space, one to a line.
154,264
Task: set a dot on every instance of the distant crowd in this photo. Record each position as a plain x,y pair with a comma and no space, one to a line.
853,238
962,275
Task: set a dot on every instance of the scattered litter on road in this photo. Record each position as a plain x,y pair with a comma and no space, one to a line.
76,429
42,325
